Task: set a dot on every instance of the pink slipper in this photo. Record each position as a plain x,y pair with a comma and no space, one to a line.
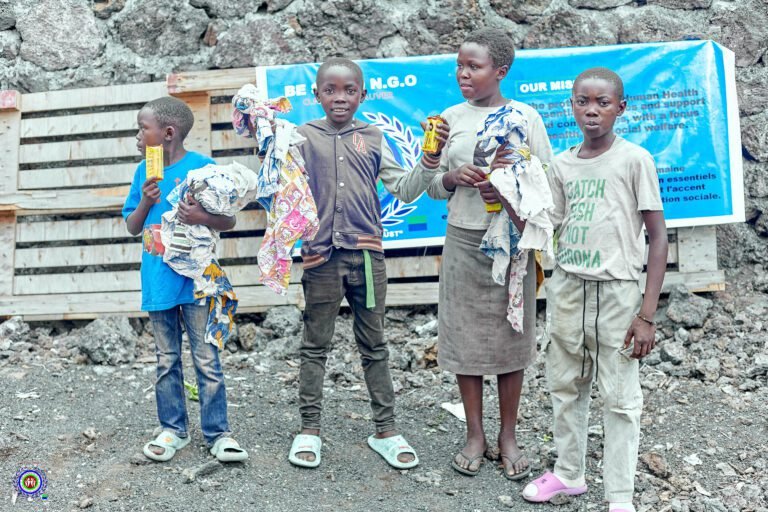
547,486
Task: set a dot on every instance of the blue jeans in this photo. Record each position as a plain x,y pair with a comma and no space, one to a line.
169,387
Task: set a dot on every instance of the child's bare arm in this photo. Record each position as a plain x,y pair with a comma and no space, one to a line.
150,193
191,212
642,329
408,186
657,260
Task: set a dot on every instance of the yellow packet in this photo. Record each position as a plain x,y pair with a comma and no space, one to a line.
155,162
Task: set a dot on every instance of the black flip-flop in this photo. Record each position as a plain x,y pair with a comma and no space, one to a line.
467,471
517,476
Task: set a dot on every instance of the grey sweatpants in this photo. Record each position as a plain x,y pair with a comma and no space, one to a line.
587,322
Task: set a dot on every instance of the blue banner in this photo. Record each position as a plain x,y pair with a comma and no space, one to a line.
681,106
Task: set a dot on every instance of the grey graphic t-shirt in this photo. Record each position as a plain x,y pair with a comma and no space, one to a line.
598,205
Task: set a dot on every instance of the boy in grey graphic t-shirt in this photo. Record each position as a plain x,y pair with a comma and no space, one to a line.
605,189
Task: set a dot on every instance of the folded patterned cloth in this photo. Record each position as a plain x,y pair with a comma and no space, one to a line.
282,189
191,250
523,184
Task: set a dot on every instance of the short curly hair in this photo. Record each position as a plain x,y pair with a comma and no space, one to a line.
170,111
340,61
500,46
603,74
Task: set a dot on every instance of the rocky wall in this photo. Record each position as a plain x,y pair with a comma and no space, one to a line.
58,44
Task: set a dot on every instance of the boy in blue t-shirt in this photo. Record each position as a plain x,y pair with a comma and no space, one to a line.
168,296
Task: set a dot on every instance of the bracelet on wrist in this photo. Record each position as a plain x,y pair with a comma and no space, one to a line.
645,319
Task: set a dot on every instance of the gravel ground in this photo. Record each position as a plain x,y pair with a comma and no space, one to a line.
704,445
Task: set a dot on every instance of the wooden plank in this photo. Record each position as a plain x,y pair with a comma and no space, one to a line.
93,97
117,254
66,306
199,138
10,100
697,249
78,124
229,139
252,299
221,113
7,243
114,227
117,174
116,281
84,229
67,200
413,266
10,121
213,80
111,254
129,280
63,177
90,305
78,150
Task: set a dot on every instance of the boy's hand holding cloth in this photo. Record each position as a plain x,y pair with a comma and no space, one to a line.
191,249
282,190
523,184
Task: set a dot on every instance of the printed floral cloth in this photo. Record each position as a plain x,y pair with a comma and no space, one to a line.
191,250
214,290
282,189
524,186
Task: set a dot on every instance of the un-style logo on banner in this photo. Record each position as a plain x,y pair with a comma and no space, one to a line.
407,150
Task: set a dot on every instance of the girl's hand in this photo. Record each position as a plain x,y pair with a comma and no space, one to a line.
500,159
488,192
644,335
465,176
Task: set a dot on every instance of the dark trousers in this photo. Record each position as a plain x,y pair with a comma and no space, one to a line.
325,286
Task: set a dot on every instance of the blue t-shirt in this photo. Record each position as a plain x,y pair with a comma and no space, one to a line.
161,287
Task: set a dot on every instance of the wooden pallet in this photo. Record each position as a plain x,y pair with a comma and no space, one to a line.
68,160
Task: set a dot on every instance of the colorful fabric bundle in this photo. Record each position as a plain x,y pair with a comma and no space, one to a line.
191,250
254,118
523,184
214,289
282,189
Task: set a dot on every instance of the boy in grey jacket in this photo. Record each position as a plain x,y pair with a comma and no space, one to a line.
344,159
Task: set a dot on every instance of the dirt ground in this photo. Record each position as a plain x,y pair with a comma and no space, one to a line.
682,418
